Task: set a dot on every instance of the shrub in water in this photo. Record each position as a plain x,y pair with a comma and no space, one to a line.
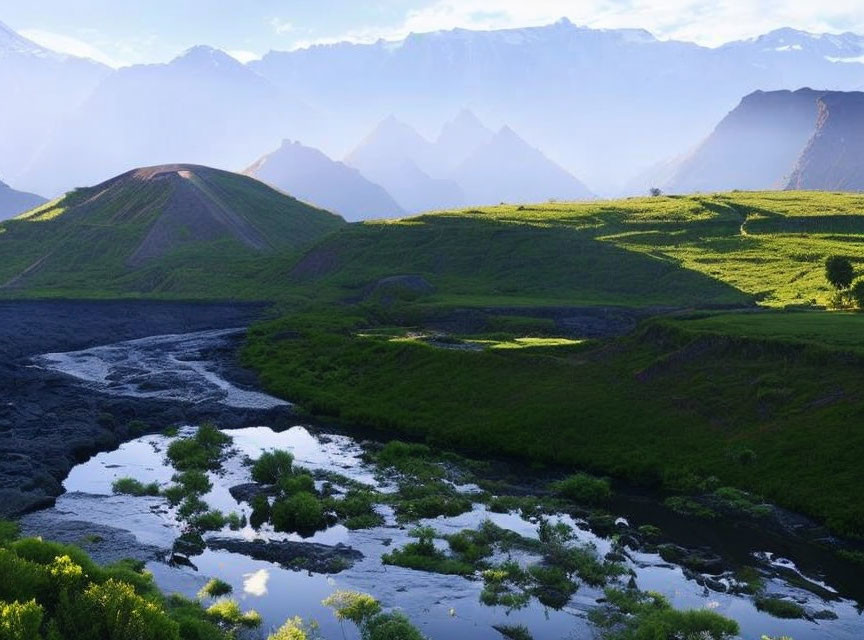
132,487
293,629
581,487
301,512
271,466
353,606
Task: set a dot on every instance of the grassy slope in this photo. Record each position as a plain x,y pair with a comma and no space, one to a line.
656,407
733,248
82,250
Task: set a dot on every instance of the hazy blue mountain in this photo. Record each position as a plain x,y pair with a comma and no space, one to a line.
309,175
508,169
38,88
398,158
606,103
13,202
754,147
203,107
467,164
460,138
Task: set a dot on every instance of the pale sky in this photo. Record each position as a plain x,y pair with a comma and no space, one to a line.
122,32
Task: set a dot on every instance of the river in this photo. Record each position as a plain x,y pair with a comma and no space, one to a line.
179,368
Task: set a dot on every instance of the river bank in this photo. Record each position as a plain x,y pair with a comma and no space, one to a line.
49,422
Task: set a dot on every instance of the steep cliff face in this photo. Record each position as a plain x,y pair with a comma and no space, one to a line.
755,146
833,159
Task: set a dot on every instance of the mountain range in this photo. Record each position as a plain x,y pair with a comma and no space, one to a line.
603,104
308,174
466,165
804,139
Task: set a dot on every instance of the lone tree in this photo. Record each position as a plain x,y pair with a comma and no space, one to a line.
839,272
655,192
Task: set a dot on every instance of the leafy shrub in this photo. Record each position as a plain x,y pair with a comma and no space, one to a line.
301,512
396,453
191,506
194,481
113,610
293,629
271,466
429,500
228,611
637,615
215,588
424,556
8,531
291,484
202,451
132,487
581,487
839,272
779,608
22,580
353,606
391,626
209,521
20,620
553,586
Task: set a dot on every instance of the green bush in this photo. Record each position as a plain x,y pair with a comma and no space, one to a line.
839,272
202,451
132,487
271,466
228,611
191,506
301,512
20,620
353,606
209,521
8,531
194,481
293,629
638,615
391,626
779,608
112,610
23,580
290,484
581,487
215,588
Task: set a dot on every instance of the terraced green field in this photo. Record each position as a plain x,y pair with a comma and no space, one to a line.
730,248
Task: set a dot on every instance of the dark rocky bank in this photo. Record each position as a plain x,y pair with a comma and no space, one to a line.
49,422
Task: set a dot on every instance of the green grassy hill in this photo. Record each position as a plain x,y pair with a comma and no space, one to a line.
729,248
175,230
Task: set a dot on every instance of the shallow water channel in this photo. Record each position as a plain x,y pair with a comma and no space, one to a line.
442,606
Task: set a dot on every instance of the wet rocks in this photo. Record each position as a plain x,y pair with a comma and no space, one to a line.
311,556
104,544
249,491
701,561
